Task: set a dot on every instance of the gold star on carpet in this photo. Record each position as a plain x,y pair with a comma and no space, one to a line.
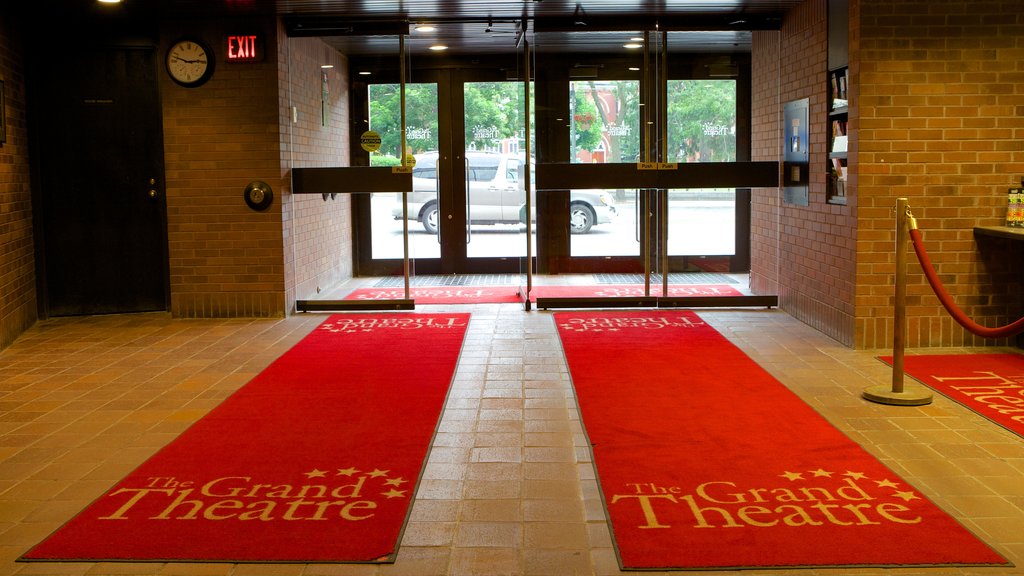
377,473
792,475
906,496
393,494
346,471
886,483
395,482
819,473
316,473
855,475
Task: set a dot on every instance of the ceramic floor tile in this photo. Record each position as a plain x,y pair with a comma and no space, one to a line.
509,487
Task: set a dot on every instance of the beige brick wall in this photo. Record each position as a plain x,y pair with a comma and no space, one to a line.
318,232
225,259
940,121
805,254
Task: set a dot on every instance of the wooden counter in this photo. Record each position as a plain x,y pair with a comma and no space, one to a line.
1000,232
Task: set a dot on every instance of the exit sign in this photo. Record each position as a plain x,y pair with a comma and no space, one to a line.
244,48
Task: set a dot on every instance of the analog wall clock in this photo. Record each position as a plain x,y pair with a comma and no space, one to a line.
189,62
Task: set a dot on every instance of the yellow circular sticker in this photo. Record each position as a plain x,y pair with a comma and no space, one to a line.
410,160
370,141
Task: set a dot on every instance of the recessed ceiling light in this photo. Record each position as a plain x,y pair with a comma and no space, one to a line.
365,73
438,47
632,46
634,69
109,1
426,28
327,66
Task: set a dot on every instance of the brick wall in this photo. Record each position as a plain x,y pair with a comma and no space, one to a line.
941,122
17,259
318,232
225,259
805,254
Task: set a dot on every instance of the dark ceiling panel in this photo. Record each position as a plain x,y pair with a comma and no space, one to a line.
490,26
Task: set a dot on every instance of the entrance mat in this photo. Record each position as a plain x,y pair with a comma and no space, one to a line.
705,461
673,278
442,295
316,459
448,280
622,291
990,384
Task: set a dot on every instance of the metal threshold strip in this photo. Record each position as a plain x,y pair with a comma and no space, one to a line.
353,305
658,302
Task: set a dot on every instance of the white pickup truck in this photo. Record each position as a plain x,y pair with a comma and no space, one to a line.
496,195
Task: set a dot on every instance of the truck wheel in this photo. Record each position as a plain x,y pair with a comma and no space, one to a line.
429,217
581,218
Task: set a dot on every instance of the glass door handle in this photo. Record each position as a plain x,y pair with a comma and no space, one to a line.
469,209
437,196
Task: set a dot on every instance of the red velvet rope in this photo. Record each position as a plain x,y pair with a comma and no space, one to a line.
947,301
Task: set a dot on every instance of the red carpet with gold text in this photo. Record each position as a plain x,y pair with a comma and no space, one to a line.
315,460
705,461
990,384
509,294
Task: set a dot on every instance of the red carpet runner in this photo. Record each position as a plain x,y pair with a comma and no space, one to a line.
705,461
314,460
442,294
990,384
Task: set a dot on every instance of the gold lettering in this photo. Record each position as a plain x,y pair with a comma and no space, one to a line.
853,492
179,501
737,498
885,510
826,510
698,514
647,508
208,488
798,514
855,508
746,512
259,511
304,491
293,508
349,490
785,495
210,513
809,493
140,493
347,514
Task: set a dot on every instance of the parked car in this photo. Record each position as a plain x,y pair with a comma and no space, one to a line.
496,194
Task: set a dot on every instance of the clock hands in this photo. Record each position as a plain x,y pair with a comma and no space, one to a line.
197,61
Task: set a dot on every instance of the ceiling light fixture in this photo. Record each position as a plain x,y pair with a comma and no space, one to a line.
438,47
426,28
632,46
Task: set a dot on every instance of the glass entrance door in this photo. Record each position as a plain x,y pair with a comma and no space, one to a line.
466,213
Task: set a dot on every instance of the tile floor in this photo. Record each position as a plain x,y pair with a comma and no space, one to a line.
509,487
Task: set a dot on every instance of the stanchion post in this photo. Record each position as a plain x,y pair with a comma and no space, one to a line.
898,394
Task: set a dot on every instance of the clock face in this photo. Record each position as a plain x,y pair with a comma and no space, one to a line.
189,63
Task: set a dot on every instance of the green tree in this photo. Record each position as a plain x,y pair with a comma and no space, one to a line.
420,118
702,120
493,112
586,125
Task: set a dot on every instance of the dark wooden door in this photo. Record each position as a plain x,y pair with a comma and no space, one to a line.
101,171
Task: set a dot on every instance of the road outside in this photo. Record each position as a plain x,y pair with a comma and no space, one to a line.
696,228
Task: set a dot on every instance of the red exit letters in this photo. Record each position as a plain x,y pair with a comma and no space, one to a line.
244,48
